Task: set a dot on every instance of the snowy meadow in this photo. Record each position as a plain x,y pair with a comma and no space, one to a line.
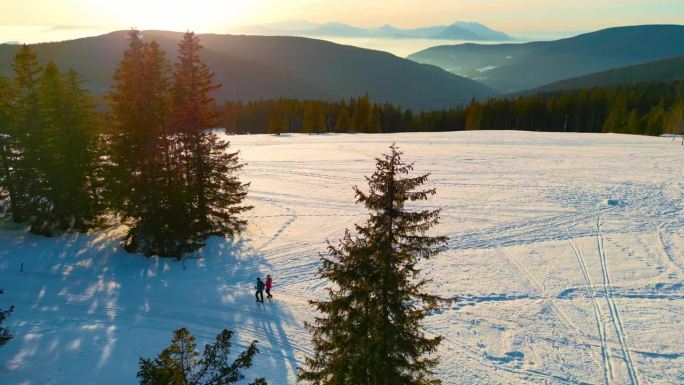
565,264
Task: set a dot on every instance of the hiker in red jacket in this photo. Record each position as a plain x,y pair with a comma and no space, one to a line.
269,284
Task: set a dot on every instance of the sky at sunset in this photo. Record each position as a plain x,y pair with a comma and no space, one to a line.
33,20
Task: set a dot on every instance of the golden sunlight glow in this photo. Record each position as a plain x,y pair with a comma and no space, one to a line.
41,20
198,15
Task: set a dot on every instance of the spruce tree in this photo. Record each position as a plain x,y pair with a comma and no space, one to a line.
370,328
141,178
361,114
276,123
374,119
655,120
309,118
320,125
675,120
6,139
473,120
181,364
343,122
26,129
213,187
617,118
5,334
45,190
81,170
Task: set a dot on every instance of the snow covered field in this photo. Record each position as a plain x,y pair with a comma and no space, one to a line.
555,284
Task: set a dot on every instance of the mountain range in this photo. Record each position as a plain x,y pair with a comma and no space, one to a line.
270,67
659,70
510,68
459,30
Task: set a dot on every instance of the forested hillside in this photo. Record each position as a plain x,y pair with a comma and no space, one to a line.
509,68
659,70
268,67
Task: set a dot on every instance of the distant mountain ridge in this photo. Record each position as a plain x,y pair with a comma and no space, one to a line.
510,68
655,71
459,30
266,67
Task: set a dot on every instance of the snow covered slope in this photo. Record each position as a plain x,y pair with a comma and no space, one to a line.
554,284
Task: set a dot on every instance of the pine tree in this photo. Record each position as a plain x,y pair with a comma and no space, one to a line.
181,364
211,170
361,114
6,139
656,120
374,119
26,131
44,191
617,118
633,123
370,330
5,334
343,122
81,145
309,118
675,120
142,185
69,154
474,116
276,123
320,125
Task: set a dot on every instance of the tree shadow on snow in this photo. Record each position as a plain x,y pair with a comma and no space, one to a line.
86,310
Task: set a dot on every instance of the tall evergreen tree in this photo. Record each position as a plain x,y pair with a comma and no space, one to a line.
675,120
617,118
655,121
142,185
81,170
370,329
474,116
6,140
343,122
361,114
309,118
211,169
374,119
26,155
276,123
44,205
319,120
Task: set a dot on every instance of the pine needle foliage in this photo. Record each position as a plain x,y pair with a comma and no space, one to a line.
369,330
181,363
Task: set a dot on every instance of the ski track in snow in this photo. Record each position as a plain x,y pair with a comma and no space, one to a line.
612,306
541,293
600,326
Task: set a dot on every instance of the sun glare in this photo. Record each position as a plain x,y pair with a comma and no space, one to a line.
198,15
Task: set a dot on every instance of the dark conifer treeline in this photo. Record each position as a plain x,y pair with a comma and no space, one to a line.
151,160
646,108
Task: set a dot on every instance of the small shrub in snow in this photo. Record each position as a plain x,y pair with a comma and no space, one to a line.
5,334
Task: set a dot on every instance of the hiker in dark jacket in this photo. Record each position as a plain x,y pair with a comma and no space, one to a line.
259,290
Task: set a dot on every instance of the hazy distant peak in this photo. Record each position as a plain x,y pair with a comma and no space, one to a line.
460,30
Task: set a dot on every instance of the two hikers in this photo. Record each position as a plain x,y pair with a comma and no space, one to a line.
260,286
